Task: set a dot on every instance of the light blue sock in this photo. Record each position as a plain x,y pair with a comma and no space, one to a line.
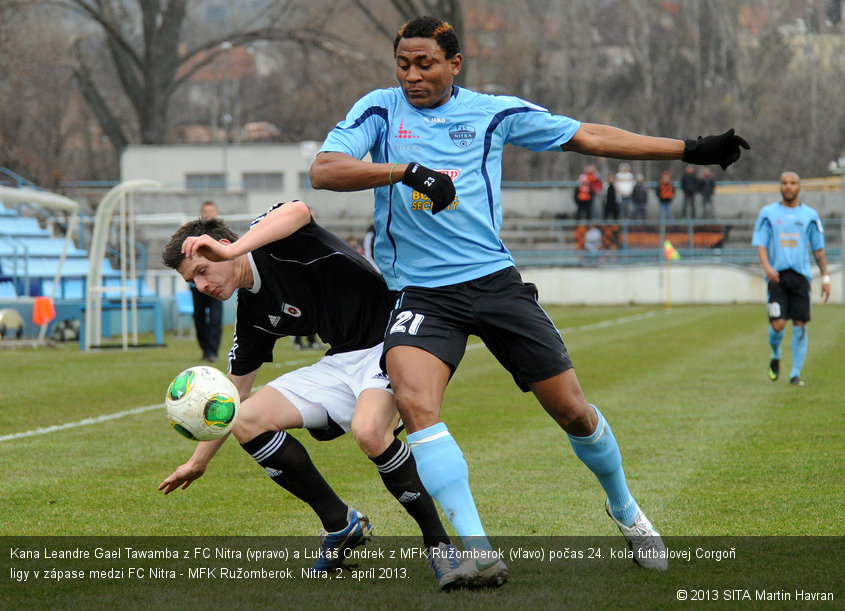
600,453
800,338
775,338
444,473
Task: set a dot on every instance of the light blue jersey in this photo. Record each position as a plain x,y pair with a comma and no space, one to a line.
789,234
464,139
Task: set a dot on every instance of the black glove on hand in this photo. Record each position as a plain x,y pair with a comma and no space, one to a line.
722,149
436,185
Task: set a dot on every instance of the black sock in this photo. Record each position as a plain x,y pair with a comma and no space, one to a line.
398,470
287,463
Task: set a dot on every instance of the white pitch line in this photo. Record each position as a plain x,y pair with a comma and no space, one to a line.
610,323
105,418
71,425
148,408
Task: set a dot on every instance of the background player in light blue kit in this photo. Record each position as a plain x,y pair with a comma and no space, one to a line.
436,170
784,234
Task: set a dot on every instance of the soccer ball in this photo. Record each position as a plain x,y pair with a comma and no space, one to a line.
202,403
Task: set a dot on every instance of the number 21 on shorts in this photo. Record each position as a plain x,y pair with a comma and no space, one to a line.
402,318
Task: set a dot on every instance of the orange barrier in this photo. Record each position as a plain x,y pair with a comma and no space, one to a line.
609,237
43,311
709,236
700,239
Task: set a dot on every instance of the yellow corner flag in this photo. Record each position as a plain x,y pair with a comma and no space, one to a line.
669,251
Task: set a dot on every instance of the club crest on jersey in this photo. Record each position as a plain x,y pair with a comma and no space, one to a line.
462,135
291,310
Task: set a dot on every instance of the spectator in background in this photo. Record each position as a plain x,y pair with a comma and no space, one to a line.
690,188
592,244
353,242
639,198
583,197
707,186
625,187
665,195
208,311
611,204
596,183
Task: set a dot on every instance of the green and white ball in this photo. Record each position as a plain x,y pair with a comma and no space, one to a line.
202,403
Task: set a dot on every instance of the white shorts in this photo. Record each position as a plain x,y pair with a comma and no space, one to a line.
330,387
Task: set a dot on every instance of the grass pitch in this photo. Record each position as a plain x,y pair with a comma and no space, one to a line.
715,453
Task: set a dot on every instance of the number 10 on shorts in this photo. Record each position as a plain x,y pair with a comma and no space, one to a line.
402,318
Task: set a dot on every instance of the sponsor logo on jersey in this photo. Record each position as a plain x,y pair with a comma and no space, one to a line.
274,320
435,120
291,310
422,202
462,135
406,147
404,134
380,376
453,174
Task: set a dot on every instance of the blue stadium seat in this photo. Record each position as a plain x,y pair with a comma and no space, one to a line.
185,313
7,290
69,288
37,247
29,256
22,226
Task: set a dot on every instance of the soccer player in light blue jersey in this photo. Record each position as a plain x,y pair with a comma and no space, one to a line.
436,167
784,234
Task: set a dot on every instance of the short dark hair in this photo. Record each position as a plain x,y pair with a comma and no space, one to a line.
172,255
430,27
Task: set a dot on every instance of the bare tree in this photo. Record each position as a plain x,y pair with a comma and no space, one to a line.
10,16
77,85
447,10
39,122
152,57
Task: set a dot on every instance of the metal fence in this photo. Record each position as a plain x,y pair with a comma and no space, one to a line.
537,242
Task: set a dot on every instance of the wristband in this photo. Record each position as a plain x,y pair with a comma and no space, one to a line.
390,174
825,279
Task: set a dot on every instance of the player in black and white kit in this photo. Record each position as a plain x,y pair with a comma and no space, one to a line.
293,277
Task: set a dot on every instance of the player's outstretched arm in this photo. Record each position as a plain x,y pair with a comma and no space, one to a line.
277,224
608,141
194,468
341,172
208,247
244,383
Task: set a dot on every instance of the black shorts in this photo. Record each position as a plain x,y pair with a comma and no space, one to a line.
789,298
500,308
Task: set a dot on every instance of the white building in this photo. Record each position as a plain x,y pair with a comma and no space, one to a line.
242,178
